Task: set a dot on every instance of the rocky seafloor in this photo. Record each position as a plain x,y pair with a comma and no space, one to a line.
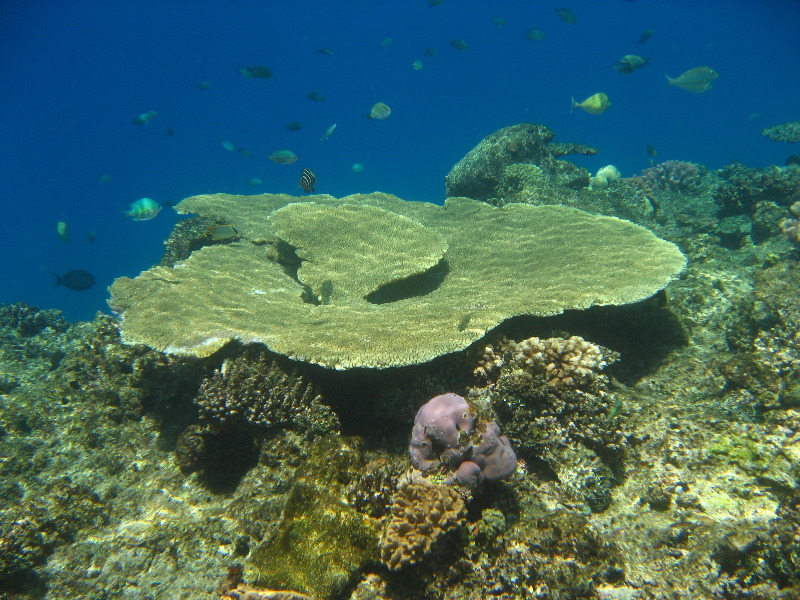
672,472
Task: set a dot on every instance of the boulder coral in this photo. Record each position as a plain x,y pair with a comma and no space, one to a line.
356,299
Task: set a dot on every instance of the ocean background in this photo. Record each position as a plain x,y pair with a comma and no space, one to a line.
74,74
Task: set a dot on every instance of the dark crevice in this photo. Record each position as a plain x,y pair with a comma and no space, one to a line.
290,263
410,287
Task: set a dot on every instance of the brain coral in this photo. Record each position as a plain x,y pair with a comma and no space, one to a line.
375,281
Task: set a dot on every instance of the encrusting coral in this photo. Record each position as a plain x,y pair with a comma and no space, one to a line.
421,513
314,303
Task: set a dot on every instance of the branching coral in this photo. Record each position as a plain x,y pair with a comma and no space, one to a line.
566,363
254,390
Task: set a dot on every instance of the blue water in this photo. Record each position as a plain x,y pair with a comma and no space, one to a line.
73,75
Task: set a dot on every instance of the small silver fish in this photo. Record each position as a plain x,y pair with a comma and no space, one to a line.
145,117
328,133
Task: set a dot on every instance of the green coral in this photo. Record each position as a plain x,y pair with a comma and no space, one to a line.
496,263
321,540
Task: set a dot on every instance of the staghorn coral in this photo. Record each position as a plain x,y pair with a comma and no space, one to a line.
420,515
494,257
566,363
672,175
254,390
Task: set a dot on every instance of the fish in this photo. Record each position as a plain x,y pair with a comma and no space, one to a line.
697,80
246,152
435,2
254,181
595,104
459,44
307,180
255,72
535,34
104,178
145,117
431,51
651,151
203,85
222,233
283,157
77,280
417,65
91,237
646,35
498,21
357,167
143,209
316,97
567,15
169,132
62,229
630,63
228,145
324,51
293,126
792,161
386,43
328,133
379,112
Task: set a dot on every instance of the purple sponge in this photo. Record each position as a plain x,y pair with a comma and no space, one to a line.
442,434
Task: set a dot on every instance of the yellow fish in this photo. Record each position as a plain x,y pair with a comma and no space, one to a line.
595,104
143,209
62,229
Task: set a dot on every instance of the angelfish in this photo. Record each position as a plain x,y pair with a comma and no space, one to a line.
307,180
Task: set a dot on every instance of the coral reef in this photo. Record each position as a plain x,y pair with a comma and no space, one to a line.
479,174
553,401
253,390
672,175
321,540
242,291
420,515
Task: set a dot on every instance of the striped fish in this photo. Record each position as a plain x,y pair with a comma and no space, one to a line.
307,180
380,111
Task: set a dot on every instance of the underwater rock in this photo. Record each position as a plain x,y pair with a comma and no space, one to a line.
479,174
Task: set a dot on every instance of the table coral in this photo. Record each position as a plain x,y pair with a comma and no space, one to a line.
497,263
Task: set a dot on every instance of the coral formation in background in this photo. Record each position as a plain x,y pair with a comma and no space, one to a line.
480,173
315,303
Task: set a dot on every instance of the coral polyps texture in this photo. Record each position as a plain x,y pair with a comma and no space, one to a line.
420,515
375,281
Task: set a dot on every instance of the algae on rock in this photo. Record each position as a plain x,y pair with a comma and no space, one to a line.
291,285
